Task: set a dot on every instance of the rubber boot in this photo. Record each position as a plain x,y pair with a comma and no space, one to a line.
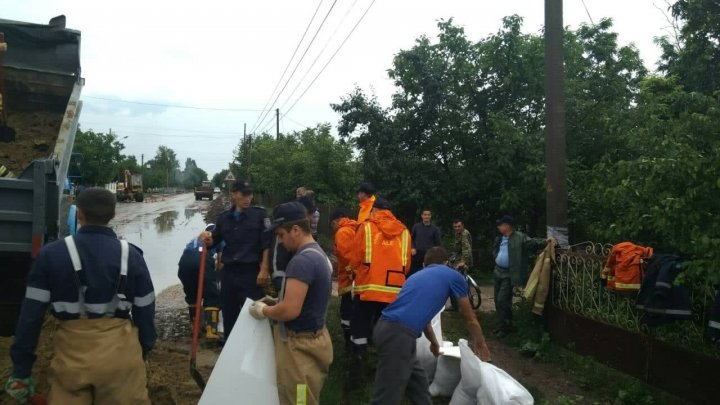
211,324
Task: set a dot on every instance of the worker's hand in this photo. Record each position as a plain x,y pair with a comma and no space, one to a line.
413,251
263,277
552,241
481,350
256,310
435,349
206,237
460,264
269,301
20,388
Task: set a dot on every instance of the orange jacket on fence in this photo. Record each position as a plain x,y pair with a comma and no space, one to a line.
381,257
624,267
365,208
344,239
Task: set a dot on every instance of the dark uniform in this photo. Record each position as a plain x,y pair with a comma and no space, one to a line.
245,240
279,259
100,291
189,272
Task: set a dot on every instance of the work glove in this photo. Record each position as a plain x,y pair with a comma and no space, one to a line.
269,301
256,310
22,389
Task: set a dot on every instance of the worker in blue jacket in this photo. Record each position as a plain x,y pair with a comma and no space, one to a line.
99,289
246,255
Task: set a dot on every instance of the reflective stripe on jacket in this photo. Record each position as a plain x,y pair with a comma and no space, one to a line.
344,239
623,270
381,258
538,285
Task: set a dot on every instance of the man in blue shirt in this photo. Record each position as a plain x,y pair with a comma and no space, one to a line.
189,273
99,290
420,299
246,263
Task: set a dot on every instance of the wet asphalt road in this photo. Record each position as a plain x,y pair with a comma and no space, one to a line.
161,229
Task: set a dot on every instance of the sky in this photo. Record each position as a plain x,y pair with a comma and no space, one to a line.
224,58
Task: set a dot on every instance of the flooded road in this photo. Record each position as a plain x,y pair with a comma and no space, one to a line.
161,229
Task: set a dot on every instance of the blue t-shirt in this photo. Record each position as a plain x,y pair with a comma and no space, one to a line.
313,269
503,257
423,295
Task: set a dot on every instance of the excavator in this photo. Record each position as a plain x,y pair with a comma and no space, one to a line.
131,189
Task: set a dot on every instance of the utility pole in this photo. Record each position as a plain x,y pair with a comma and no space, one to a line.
277,123
557,194
244,131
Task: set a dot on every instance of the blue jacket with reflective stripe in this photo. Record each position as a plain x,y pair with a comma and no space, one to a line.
51,284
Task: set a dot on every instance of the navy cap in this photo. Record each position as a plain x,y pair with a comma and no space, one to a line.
287,212
241,186
381,204
210,227
367,188
506,219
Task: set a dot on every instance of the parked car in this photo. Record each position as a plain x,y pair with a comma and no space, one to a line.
217,190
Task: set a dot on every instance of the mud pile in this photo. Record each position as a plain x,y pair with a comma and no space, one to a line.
217,206
35,137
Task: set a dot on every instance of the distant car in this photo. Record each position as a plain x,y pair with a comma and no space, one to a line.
216,190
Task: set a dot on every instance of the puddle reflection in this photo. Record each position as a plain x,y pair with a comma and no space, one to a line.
165,222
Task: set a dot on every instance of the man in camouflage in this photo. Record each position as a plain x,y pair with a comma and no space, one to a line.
463,245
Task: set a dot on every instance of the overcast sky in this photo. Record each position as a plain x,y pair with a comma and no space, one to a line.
227,55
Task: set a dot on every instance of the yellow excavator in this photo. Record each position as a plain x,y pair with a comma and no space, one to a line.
131,189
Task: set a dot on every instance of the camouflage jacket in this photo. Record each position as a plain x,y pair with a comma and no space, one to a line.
463,247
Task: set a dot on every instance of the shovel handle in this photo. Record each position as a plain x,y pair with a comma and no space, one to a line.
198,304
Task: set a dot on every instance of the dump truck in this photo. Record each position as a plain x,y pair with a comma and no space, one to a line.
204,190
41,85
131,188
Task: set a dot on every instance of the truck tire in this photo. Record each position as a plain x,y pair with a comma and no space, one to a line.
139,197
211,197
197,198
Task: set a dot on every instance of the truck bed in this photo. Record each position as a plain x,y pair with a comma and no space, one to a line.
36,133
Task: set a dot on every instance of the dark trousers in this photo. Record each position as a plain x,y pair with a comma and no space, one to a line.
503,297
239,282
189,273
398,369
346,310
416,264
364,316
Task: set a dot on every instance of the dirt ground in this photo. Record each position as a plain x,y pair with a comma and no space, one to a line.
35,136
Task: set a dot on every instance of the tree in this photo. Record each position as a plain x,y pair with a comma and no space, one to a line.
101,156
219,178
162,168
192,175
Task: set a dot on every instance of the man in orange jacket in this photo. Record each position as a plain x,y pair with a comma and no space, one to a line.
344,228
366,197
381,260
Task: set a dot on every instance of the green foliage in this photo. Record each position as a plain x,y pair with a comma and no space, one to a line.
310,158
162,169
219,178
192,175
102,156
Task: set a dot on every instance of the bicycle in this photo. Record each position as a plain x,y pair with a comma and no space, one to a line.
474,294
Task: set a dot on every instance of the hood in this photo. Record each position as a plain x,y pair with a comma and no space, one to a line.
348,223
369,202
387,223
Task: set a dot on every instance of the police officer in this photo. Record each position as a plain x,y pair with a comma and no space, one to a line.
93,284
246,253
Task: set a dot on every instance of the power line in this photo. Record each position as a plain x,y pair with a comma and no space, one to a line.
297,47
302,79
329,60
588,12
295,122
322,23
173,105
199,131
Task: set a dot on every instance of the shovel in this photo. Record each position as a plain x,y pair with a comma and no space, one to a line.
199,380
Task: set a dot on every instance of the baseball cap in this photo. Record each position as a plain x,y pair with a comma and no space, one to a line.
287,212
210,227
506,219
381,204
241,186
366,188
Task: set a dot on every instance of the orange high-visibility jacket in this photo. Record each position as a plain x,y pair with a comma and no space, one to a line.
344,238
365,208
381,257
624,267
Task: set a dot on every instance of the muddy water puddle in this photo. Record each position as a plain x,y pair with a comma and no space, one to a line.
161,230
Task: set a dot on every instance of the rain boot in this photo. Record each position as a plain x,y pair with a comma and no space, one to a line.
211,324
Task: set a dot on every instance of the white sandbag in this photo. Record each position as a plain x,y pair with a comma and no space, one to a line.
461,398
447,376
245,371
423,353
491,385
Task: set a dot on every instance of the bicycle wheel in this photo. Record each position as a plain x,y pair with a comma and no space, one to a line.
473,293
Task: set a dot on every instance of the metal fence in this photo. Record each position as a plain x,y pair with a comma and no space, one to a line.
577,290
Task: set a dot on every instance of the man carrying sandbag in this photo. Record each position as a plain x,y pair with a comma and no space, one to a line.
402,322
303,349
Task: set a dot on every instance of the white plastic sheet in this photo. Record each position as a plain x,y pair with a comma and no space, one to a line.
245,371
447,375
